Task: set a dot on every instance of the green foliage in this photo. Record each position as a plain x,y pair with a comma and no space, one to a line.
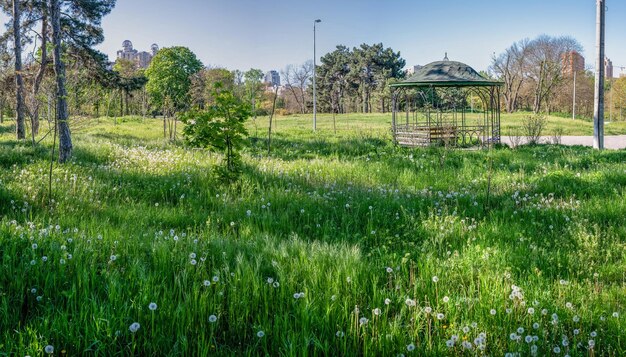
169,77
363,73
220,127
346,219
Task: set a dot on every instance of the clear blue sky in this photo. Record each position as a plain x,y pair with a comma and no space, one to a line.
269,34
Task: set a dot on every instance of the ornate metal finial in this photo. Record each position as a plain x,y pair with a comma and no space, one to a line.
446,57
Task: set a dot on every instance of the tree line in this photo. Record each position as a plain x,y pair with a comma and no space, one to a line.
536,78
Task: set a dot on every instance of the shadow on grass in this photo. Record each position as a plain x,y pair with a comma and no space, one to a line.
4,129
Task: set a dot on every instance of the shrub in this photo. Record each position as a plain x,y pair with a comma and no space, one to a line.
532,126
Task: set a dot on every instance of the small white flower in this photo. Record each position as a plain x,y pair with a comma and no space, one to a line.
531,310
152,306
440,316
528,339
556,349
576,318
435,279
616,314
493,311
49,349
339,334
389,270
192,255
113,257
410,347
248,213
410,302
520,330
428,309
134,327
212,318
446,299
206,283
193,262
591,343
260,334
216,279
363,321
387,301
449,343
536,325
376,311
593,334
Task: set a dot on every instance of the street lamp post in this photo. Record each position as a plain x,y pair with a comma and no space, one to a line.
314,89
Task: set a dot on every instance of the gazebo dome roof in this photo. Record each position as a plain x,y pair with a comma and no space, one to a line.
447,74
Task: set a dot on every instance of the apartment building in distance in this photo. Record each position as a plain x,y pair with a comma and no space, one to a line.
571,62
142,59
272,79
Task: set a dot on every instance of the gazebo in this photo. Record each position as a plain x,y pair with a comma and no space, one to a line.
446,103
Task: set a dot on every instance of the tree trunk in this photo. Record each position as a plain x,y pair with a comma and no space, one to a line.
121,102
63,127
40,74
20,129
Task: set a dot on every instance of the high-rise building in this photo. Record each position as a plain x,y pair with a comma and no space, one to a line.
571,62
142,59
608,68
272,78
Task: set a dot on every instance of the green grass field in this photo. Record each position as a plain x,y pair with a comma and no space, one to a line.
335,244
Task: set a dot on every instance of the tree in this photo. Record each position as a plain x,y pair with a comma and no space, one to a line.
509,67
76,24
220,127
169,81
333,76
20,129
532,71
129,79
253,88
371,67
297,80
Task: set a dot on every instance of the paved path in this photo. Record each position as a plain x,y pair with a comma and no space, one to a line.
610,142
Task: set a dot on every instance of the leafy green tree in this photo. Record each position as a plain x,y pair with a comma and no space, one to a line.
169,82
333,78
253,88
371,67
221,128
129,79
203,85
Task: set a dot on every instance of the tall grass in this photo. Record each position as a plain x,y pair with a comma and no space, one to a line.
333,245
